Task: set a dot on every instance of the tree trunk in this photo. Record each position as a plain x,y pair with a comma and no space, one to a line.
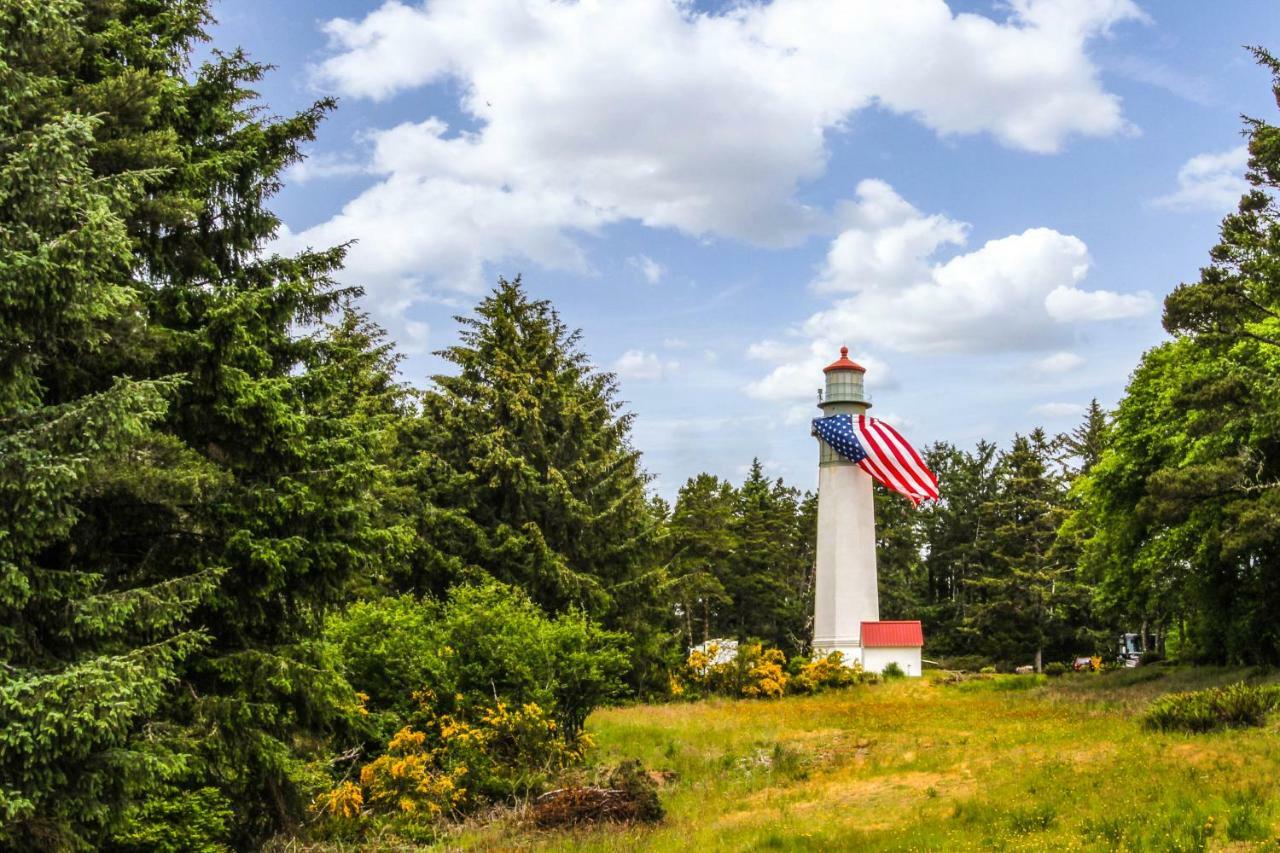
1039,656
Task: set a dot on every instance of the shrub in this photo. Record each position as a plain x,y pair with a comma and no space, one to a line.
825,672
892,670
988,670
766,677
484,644
1056,669
444,765
753,672
1217,707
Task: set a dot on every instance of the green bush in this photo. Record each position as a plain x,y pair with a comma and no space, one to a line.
988,670
484,644
1056,669
1236,705
892,670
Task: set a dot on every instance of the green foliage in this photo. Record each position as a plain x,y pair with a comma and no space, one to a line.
526,465
484,643
823,673
1056,669
1180,513
88,649
892,670
1238,704
741,560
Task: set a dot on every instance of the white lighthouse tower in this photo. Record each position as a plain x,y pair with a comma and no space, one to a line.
846,608
846,593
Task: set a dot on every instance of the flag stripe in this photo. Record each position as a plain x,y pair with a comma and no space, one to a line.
910,459
905,455
882,452
891,459
915,457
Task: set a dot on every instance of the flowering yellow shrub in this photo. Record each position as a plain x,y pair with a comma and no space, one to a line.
766,677
448,763
828,671
408,778
344,801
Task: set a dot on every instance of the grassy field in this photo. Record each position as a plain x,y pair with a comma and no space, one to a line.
1011,763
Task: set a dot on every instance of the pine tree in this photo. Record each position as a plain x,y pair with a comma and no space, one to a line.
899,567
526,459
701,540
765,576
282,469
1080,449
952,532
87,651
1018,607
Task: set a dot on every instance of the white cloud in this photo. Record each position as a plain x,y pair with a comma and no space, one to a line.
1020,292
643,366
1058,362
322,165
1015,292
649,268
1066,304
591,113
1212,182
1058,411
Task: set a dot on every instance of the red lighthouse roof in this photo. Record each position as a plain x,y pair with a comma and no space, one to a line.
844,363
903,633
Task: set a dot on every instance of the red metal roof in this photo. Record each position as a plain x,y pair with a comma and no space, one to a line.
903,633
844,363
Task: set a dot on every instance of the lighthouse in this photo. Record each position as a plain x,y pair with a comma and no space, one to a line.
851,448
846,591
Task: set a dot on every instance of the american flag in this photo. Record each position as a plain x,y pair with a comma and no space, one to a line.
881,452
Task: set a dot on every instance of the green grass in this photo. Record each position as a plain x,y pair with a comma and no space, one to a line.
1009,763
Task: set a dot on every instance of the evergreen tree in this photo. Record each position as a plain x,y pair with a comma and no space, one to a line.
899,567
87,650
953,533
1080,449
1019,604
702,541
765,577
280,468
526,453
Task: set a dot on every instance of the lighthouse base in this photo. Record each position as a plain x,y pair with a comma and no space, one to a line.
851,650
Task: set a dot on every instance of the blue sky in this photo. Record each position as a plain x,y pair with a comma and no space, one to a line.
985,201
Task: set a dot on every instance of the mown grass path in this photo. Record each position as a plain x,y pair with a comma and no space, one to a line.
1013,763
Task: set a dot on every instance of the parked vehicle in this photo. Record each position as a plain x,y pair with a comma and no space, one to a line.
1084,664
1132,647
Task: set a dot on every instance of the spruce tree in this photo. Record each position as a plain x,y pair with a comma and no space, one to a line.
525,459
701,540
282,468
88,651
1018,607
765,577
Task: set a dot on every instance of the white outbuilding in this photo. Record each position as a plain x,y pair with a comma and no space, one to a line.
897,642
